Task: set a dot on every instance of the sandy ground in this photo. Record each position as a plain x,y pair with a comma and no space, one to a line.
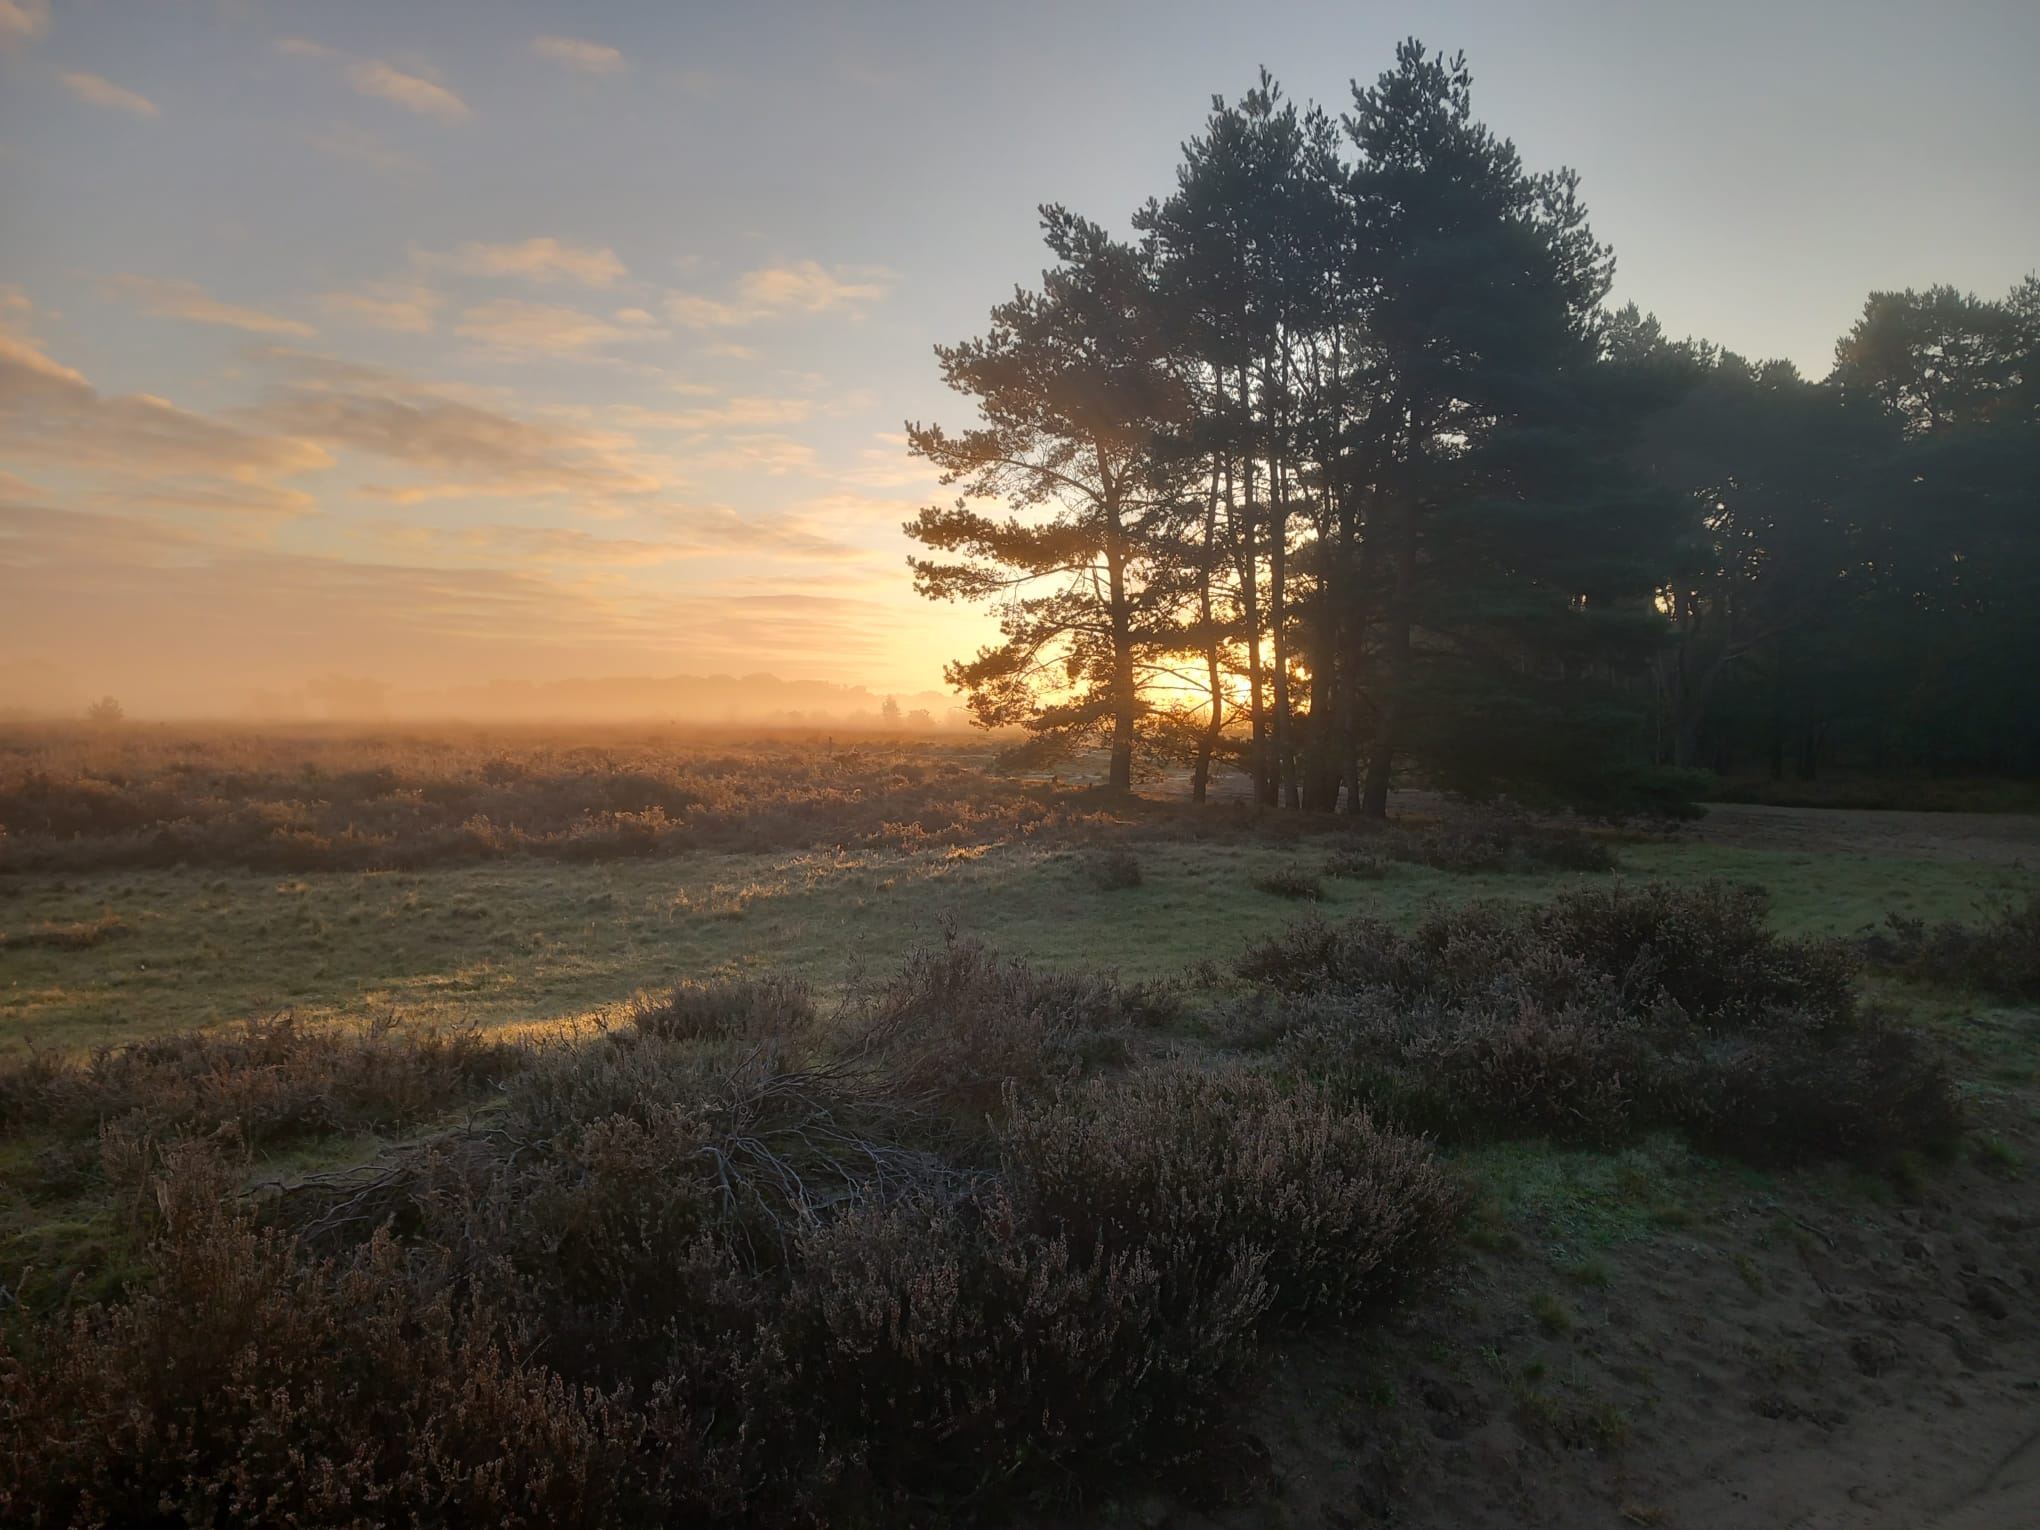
1797,1365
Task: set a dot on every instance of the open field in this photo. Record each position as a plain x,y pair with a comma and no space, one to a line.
1709,1223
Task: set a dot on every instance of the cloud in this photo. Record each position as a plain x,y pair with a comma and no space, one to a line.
378,77
95,91
189,301
540,329
732,414
345,141
774,291
401,307
373,77
684,533
588,57
771,455
23,20
537,260
144,447
467,449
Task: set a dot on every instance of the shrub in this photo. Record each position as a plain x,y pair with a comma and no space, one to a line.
744,1009
1291,882
1999,957
1604,1014
1356,866
959,1024
1195,1167
74,936
1115,870
270,1080
1495,841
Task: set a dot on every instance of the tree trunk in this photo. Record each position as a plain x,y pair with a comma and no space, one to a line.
1214,728
1120,778
1381,760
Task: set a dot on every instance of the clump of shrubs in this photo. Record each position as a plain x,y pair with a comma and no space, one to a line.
1116,869
1999,957
1291,882
1356,866
733,1262
1498,841
71,935
271,1080
1602,1015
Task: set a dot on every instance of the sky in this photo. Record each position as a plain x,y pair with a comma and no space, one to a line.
480,339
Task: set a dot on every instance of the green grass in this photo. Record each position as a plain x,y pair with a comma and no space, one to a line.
518,942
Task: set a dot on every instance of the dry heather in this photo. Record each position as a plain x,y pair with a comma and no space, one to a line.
908,1257
1602,1015
349,802
737,1260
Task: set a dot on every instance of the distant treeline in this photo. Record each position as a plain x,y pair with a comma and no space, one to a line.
1343,467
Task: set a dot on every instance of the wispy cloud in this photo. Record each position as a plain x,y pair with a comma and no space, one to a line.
191,302
428,98
378,77
541,329
802,287
23,20
463,448
588,57
150,449
344,140
401,307
95,91
538,260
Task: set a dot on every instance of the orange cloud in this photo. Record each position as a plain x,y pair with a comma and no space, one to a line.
144,446
95,91
469,449
538,260
23,20
774,291
588,57
544,330
402,307
189,301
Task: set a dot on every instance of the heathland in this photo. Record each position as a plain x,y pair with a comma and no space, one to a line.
492,1126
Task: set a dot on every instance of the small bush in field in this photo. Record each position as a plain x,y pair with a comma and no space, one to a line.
1356,866
1999,957
1492,842
1291,882
752,1009
959,1024
1115,870
74,936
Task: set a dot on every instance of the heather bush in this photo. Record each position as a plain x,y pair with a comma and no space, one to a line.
1115,870
728,1264
959,1024
1291,882
745,1009
1604,1014
1197,1168
1498,841
1999,957
273,1079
